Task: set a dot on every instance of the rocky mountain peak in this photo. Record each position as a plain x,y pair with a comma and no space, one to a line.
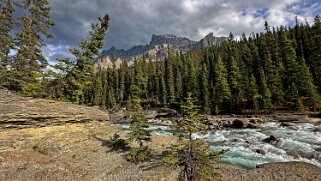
168,39
159,46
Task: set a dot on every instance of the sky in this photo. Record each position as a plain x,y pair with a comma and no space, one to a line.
134,21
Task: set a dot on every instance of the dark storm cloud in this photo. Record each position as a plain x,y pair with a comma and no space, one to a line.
134,21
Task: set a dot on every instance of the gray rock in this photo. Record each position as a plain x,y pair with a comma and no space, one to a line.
251,126
272,140
239,123
262,152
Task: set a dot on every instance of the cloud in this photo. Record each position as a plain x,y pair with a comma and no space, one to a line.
134,21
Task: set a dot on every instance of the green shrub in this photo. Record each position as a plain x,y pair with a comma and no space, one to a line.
117,144
195,165
137,155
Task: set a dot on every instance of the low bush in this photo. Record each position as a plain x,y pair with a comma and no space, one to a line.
116,143
137,155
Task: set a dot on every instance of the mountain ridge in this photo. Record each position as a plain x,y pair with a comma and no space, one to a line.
158,48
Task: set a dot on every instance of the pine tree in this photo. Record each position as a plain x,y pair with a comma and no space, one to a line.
98,89
253,94
6,44
79,72
291,67
205,90
316,47
138,125
104,91
169,80
193,156
307,88
192,77
6,26
273,66
235,87
264,91
163,91
29,61
178,84
221,88
122,79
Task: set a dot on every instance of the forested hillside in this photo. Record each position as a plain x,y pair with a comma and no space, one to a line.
279,69
276,70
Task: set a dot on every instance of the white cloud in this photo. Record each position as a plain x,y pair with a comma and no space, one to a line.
134,21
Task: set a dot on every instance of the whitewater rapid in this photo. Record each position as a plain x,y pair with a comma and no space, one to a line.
247,149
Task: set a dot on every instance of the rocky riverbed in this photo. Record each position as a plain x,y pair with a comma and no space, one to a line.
50,140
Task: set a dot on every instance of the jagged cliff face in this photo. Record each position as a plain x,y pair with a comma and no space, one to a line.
158,49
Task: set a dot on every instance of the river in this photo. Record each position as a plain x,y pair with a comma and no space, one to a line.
247,149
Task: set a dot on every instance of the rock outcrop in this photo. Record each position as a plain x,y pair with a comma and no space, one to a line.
21,112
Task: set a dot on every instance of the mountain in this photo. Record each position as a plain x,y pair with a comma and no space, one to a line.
158,48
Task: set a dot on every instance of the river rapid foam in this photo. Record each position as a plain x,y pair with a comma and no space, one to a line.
247,149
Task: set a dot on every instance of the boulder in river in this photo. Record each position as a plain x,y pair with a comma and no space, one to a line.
239,123
285,124
262,152
316,129
251,126
272,140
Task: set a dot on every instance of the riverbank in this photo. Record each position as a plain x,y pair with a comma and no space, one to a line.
169,117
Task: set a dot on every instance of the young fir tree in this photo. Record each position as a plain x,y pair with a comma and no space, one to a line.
138,125
193,156
80,72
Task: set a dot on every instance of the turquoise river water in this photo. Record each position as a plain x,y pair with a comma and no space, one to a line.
243,144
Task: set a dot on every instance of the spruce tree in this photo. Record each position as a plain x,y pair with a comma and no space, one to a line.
253,94
307,88
235,84
29,61
138,125
264,91
169,80
193,156
291,67
6,26
98,89
178,85
6,43
316,47
221,88
79,72
163,91
205,90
